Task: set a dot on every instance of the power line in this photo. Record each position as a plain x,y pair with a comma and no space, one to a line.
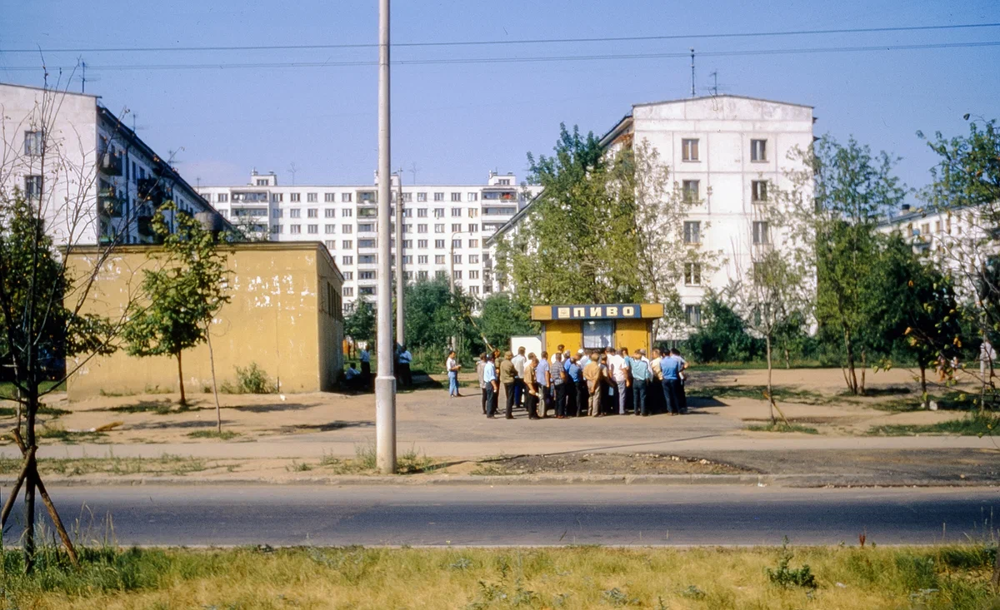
528,59
292,47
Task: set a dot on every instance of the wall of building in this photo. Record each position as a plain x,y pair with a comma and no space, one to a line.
278,317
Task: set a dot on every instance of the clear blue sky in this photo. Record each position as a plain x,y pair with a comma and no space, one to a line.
458,121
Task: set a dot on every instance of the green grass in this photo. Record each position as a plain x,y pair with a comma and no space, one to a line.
7,390
930,578
950,401
56,432
111,465
756,365
160,407
225,435
758,392
365,462
782,427
973,425
42,410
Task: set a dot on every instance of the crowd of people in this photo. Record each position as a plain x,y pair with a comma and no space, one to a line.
592,383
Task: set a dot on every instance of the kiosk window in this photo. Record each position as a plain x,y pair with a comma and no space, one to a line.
598,333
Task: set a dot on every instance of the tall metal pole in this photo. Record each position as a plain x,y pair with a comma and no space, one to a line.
400,278
385,382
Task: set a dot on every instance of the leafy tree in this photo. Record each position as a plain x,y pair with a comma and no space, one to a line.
853,189
502,317
723,335
434,314
360,325
185,292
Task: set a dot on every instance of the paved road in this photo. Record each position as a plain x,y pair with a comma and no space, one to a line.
509,515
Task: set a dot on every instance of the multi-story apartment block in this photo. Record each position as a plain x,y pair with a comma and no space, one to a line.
94,179
444,227
725,154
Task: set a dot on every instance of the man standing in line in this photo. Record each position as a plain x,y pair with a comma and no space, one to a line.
480,370
628,380
592,373
508,378
519,361
671,368
490,377
559,350
558,376
530,386
619,372
366,368
578,386
682,377
640,377
453,368
584,358
405,357
655,396
544,385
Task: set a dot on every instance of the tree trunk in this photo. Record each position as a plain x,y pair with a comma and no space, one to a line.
788,360
215,383
923,384
180,379
770,394
864,369
851,375
28,542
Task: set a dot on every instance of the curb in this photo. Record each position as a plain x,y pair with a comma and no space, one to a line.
755,480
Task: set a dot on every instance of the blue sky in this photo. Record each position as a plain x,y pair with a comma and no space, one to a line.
458,121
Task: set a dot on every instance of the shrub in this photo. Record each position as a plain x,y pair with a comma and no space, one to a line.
788,577
250,380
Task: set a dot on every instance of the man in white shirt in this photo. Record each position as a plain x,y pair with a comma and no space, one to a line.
584,358
559,350
619,372
519,361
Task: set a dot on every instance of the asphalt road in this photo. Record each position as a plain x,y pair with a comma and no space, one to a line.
523,515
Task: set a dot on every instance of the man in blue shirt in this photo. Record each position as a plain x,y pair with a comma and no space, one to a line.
577,386
542,379
490,377
640,377
671,369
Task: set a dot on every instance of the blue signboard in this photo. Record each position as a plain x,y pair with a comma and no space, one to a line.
596,312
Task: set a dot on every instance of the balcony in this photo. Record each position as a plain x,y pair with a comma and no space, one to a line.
108,203
144,224
110,163
154,191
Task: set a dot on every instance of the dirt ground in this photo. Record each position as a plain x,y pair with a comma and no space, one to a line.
814,397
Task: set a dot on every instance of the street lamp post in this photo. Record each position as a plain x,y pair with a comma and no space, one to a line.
400,278
385,381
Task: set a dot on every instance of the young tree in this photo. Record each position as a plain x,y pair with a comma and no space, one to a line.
502,317
185,292
853,189
360,324
434,315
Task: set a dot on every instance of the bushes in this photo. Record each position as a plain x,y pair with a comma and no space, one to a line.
723,337
249,380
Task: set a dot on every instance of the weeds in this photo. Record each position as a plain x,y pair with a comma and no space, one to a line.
759,392
782,427
974,425
787,577
249,380
225,435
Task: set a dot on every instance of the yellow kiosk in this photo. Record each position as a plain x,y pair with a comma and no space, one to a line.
597,326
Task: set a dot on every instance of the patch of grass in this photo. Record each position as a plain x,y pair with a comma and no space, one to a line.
249,380
298,467
111,465
42,410
488,578
973,425
759,392
225,435
365,462
951,401
8,391
782,427
56,432
160,407
755,366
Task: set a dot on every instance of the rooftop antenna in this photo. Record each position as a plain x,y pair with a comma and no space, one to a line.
692,72
413,170
715,83
293,170
83,77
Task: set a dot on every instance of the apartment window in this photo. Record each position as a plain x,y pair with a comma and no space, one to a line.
367,259
692,274
313,229
407,228
407,259
473,289
473,243
473,213
422,259
456,243
758,150
689,149
330,197
329,229
408,275
346,213
937,226
421,197
439,228
408,213
295,213
366,275
421,212
473,274
347,229
456,228
312,213
275,229
407,197
223,197
421,228
295,229
456,212
34,143
473,228
348,260
472,197
367,197
690,190
366,243
32,187
760,232
421,243
348,291
692,232
312,197
692,315
441,274
295,197
277,213
407,243
438,212
456,197
329,213
421,275
457,259
439,244
758,190
345,197
438,196
439,259
347,244
331,245
276,197
473,259
349,276
457,274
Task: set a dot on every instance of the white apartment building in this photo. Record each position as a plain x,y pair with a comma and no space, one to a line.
725,153
444,226
95,180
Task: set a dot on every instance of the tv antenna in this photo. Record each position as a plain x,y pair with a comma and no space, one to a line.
413,170
692,72
292,169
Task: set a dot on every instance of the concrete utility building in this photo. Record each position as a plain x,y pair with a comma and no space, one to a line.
285,315
94,179
444,226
